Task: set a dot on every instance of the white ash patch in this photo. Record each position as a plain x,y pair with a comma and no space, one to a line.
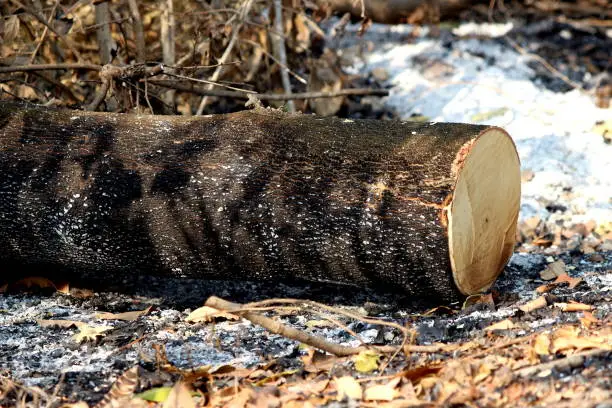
489,82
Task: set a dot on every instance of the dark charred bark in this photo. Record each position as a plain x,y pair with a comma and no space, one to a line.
252,195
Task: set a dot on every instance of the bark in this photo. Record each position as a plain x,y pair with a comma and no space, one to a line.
252,195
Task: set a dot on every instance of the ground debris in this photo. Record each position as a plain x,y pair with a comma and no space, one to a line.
488,353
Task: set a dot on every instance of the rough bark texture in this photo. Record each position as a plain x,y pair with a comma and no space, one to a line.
251,195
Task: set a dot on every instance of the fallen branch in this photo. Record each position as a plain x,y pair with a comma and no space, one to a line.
49,67
312,304
290,332
267,97
562,364
226,54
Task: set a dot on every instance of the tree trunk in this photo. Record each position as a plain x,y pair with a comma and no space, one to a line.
427,207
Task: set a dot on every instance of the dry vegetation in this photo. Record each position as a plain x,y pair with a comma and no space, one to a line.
194,57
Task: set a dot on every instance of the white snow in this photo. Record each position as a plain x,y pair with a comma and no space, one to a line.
488,82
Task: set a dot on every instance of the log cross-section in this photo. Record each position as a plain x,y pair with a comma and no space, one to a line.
427,207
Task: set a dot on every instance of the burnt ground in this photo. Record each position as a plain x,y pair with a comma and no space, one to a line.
165,346
547,356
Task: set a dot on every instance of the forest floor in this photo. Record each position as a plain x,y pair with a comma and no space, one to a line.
541,337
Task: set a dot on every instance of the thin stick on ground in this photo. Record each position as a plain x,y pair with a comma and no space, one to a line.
248,312
282,53
226,54
332,309
290,332
279,328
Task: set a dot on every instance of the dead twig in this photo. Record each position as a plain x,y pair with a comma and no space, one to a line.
139,38
248,312
226,54
209,82
546,65
49,67
281,52
279,62
107,75
562,364
281,329
312,303
267,97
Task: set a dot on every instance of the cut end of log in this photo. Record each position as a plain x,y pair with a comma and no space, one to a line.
482,215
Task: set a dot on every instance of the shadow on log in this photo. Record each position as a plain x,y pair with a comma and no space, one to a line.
427,208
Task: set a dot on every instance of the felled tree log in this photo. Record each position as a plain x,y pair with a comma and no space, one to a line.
427,207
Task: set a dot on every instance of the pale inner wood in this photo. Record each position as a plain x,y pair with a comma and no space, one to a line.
484,210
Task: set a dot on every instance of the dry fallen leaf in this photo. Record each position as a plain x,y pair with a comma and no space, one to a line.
238,400
565,278
382,392
588,319
503,325
208,314
127,316
567,338
179,397
480,299
578,343
80,404
348,387
541,345
89,333
315,361
366,361
122,390
34,282
484,371
553,270
309,387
